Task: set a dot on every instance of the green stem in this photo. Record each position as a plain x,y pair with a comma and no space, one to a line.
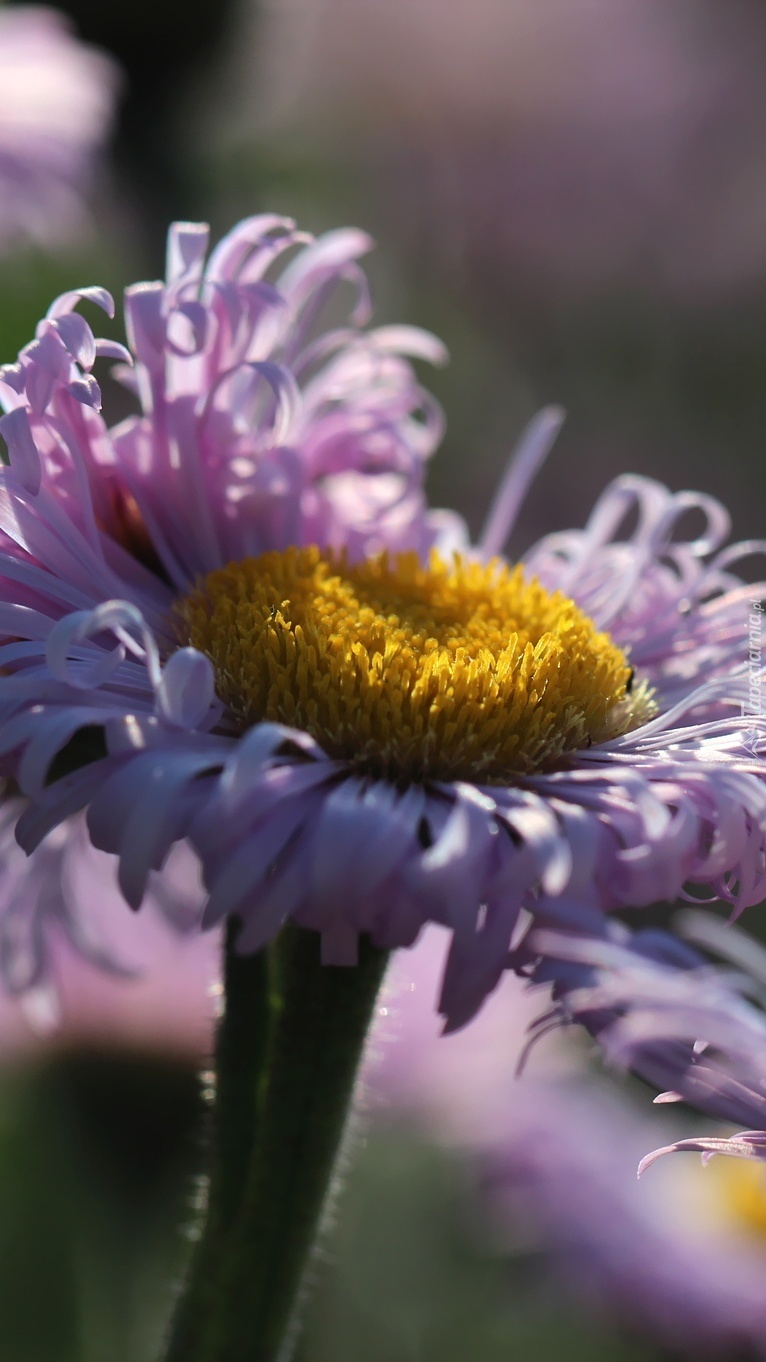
242,1045
282,1108
242,1040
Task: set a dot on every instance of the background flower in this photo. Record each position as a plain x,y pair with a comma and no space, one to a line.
57,99
658,1006
552,1153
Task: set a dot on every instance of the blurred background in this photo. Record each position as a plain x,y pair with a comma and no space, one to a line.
572,194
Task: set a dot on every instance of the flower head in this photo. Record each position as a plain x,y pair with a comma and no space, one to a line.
56,104
233,619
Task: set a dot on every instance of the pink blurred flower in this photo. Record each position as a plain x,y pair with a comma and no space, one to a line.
56,105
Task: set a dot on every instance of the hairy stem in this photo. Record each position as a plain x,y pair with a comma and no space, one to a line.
287,1062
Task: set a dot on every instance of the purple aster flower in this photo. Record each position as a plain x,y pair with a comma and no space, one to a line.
66,941
693,1030
233,619
56,105
552,1155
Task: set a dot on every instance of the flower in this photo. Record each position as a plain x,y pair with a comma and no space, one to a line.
550,1157
687,1027
56,105
233,619
75,965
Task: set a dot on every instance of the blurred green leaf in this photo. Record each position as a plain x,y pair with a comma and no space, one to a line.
96,1160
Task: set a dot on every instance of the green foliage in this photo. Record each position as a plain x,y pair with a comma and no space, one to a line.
411,1276
96,1159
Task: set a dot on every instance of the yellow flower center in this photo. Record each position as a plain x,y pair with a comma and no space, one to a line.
448,671
741,1185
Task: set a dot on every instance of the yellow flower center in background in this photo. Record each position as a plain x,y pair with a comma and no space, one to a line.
447,671
741,1185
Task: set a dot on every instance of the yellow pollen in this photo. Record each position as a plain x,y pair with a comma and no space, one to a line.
448,671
